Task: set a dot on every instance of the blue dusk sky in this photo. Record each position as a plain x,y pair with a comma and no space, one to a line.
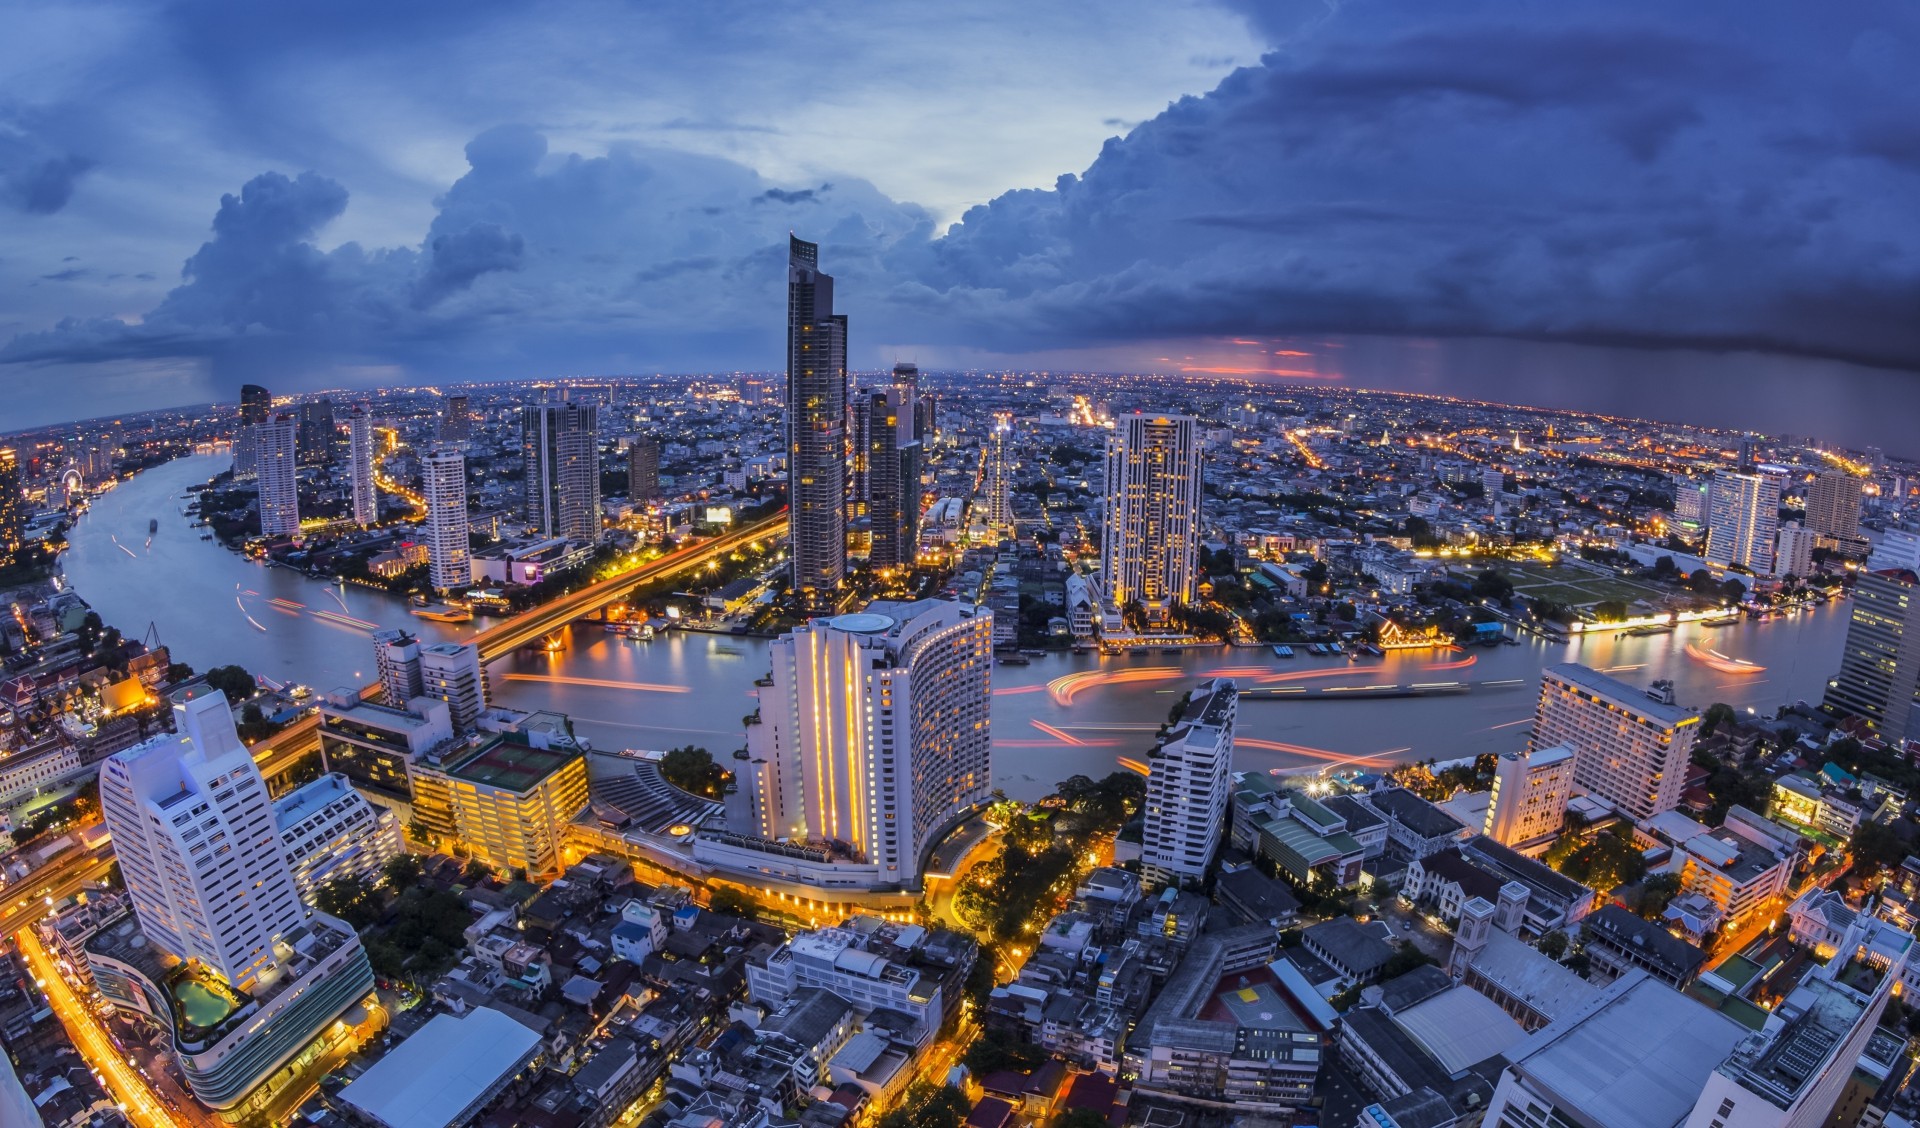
1699,209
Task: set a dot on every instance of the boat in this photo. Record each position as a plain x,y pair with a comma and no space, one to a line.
1283,652
1336,648
1724,621
1015,660
1649,631
443,613
153,525
1661,691
640,632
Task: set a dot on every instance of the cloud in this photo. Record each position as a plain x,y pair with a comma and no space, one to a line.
36,176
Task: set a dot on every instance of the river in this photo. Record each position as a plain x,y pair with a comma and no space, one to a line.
1061,715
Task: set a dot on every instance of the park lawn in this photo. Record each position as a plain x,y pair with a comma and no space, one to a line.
1575,587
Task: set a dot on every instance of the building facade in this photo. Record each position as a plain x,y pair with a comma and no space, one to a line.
329,831
506,799
1629,749
875,734
560,447
366,504
443,476
1833,504
1530,793
451,672
816,429
1880,666
1189,777
1745,515
256,404
276,467
1150,552
643,469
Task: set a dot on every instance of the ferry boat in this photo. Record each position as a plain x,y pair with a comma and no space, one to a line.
153,525
1283,652
1650,631
1015,660
1723,621
443,613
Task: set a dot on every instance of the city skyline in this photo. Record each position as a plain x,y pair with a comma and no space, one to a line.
351,220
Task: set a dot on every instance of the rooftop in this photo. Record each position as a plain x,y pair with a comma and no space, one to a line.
1459,1027
1635,1056
431,1079
311,798
1415,813
1625,930
506,761
1617,692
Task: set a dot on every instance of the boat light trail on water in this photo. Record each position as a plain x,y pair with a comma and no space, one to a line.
599,683
343,620
1006,691
1064,688
243,613
1059,735
1724,663
1132,764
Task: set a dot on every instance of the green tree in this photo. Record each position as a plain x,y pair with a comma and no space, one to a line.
1554,944
402,872
1656,893
692,769
994,1051
728,901
234,681
928,1106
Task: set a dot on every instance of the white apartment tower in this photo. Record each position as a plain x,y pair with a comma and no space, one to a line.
1530,793
1833,504
1794,554
1743,519
366,505
1188,780
875,733
194,831
1150,551
999,507
1629,749
443,474
396,655
274,465
451,672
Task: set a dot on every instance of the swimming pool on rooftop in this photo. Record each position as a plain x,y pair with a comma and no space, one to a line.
201,1006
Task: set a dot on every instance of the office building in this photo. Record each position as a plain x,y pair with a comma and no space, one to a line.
1149,557
1188,779
1692,500
1630,751
451,672
1530,793
995,488
13,507
560,445
906,971
643,469
873,738
1880,667
274,453
317,431
1743,518
886,482
220,950
329,831
505,799
1833,504
443,478
396,658
816,430
456,420
366,502
370,745
1793,1072
256,404
1793,550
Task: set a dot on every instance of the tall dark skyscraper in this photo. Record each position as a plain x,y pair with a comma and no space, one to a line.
317,432
816,430
562,451
13,506
456,420
1879,674
256,403
890,461
643,469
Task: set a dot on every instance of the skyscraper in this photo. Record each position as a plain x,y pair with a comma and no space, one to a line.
443,477
222,930
643,469
1629,749
875,734
998,490
396,655
1793,551
887,463
456,420
1880,667
906,376
1530,793
1833,504
316,432
275,465
1150,549
816,430
451,672
256,403
1188,780
366,502
561,446
1744,518
13,506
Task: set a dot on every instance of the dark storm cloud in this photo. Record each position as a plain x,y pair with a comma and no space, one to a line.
1728,176
36,175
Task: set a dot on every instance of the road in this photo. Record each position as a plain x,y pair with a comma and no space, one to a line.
280,752
26,899
136,1097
